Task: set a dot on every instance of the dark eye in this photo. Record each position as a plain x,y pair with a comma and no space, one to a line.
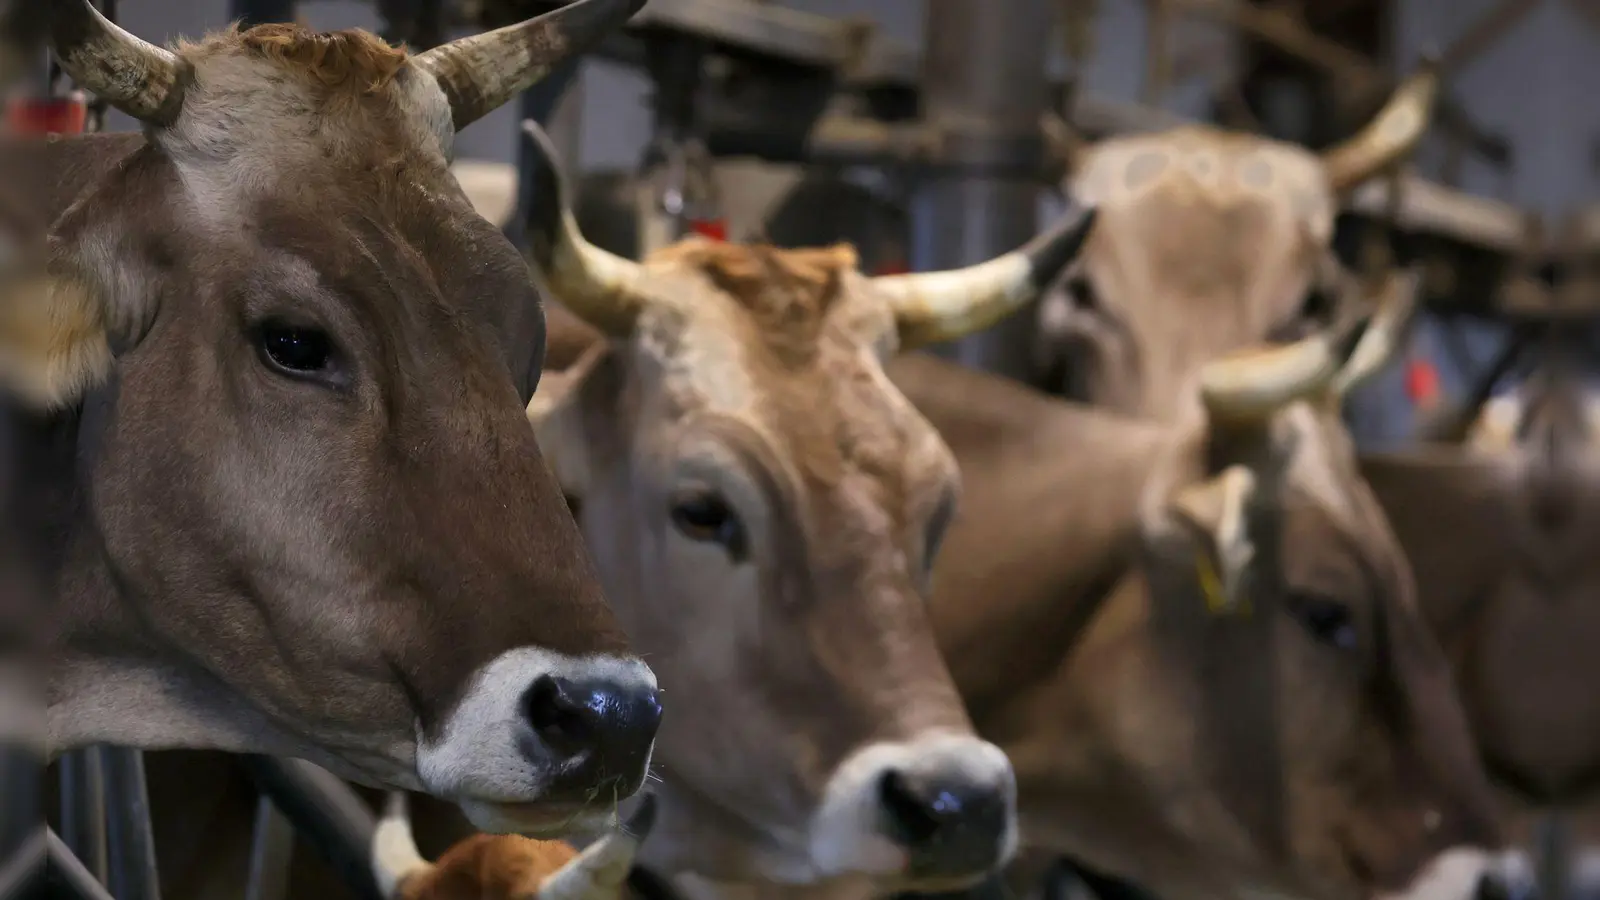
1326,620
1083,295
704,516
937,526
295,350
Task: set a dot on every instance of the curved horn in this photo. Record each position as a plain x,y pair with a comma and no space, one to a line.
1390,136
482,72
139,78
941,306
598,287
1385,333
601,870
395,857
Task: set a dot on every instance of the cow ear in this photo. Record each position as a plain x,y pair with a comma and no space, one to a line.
1215,515
53,341
556,413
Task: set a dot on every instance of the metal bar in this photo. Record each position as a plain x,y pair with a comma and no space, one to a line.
271,851
23,864
130,847
83,808
1157,51
330,815
984,85
1483,33
68,872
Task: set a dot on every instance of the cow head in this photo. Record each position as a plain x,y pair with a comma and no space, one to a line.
765,506
1335,756
1209,242
315,522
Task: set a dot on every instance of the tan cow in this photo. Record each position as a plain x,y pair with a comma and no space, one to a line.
275,461
765,506
1310,746
1210,241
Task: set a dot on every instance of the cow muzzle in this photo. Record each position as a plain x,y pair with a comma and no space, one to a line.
937,813
543,742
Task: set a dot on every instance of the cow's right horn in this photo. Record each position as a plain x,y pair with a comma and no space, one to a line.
600,288
481,72
601,871
1390,136
941,306
1064,146
139,78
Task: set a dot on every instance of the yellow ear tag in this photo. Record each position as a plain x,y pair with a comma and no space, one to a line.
1217,600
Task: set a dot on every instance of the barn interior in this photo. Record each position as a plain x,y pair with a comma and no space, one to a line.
911,129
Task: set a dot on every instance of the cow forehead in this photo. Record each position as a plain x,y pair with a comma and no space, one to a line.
1207,171
806,373
278,105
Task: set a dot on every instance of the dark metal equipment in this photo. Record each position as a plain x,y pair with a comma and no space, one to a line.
984,89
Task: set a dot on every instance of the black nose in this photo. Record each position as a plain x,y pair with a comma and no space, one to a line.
1506,886
947,825
598,732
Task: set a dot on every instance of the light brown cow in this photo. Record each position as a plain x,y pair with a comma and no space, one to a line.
1502,531
1210,241
764,507
1312,746
283,489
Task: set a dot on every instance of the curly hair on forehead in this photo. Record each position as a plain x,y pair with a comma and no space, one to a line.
769,280
352,58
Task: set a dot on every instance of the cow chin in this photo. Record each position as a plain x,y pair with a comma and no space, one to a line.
934,814
536,820
1454,874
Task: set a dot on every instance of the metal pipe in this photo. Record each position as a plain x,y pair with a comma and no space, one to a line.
130,846
984,88
66,871
83,808
271,851
330,815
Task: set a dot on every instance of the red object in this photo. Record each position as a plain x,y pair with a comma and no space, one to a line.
715,229
46,115
1422,383
892,267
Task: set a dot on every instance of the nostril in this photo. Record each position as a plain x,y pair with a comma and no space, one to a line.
914,820
558,715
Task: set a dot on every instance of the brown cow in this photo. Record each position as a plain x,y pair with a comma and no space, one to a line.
1143,729
1209,241
765,506
1502,532
284,489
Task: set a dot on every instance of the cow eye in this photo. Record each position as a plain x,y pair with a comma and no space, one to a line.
704,516
1327,621
295,350
1083,295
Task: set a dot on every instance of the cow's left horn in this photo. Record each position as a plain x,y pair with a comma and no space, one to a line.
941,306
1385,333
601,870
137,77
600,288
1390,136
482,72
